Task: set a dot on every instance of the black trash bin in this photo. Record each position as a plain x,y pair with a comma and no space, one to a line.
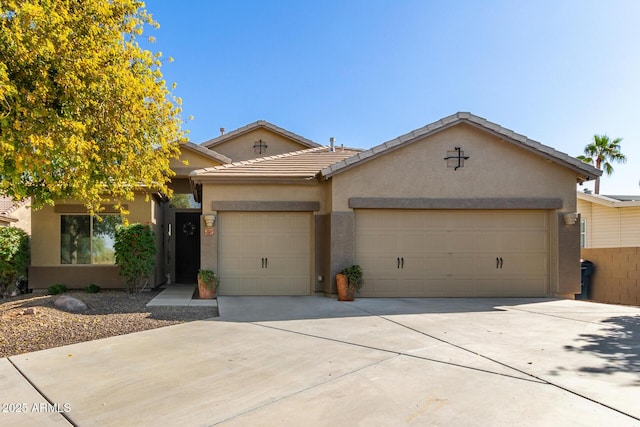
587,268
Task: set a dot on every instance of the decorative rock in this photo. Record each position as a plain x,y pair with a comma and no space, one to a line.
30,310
70,304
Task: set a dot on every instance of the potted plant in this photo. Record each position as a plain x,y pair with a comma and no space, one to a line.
349,281
208,284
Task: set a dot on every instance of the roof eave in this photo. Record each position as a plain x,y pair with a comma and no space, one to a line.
207,152
255,179
585,170
607,201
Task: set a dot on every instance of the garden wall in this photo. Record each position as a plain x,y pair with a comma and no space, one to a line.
617,274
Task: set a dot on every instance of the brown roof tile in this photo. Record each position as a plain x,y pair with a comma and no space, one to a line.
8,206
300,165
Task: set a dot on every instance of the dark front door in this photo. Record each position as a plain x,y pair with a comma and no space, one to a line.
187,247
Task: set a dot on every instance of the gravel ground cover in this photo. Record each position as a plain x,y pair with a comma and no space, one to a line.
31,322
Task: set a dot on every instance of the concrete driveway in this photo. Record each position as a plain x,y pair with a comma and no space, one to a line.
313,361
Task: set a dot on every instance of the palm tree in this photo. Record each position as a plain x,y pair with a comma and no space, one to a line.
601,151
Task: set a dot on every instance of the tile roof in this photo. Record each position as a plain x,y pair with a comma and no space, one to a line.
508,135
6,203
256,125
298,166
8,206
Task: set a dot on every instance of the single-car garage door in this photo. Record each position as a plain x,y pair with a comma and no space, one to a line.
453,253
264,253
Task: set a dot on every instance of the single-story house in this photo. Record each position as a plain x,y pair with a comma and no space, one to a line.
460,207
610,239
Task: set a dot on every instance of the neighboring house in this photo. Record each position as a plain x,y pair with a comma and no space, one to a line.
610,239
14,214
609,221
461,207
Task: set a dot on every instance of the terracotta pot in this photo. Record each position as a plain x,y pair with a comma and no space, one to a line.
206,292
345,292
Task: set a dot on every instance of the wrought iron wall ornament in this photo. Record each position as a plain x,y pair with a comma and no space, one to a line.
455,158
189,228
260,146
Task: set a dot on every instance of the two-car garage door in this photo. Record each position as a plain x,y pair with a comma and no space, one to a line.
451,253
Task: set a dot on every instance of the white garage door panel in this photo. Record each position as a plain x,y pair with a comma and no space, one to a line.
264,253
453,253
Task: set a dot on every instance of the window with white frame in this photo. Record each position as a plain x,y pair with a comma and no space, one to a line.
85,239
583,232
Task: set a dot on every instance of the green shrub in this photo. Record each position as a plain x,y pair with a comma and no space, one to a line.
135,253
14,257
354,276
92,289
56,289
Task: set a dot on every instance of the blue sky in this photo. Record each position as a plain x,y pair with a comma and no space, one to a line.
366,71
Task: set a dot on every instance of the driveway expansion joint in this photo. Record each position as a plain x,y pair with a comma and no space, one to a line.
397,353
305,389
536,378
44,396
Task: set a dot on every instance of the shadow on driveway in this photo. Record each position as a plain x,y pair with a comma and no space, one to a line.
619,348
275,308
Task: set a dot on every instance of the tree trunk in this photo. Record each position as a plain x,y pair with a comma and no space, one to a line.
597,189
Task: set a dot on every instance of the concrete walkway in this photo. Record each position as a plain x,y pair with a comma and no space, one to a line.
180,296
313,361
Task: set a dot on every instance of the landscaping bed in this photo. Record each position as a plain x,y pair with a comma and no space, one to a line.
31,322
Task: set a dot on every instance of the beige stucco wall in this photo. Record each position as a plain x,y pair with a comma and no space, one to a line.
315,192
241,147
45,248
45,242
194,161
495,169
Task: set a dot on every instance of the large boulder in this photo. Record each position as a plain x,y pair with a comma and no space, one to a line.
70,304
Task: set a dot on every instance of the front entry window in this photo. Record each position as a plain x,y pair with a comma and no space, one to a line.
86,240
184,201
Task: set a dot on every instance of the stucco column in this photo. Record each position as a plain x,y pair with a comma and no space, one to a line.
342,249
569,258
209,244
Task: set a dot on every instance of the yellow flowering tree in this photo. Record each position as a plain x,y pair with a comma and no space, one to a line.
84,111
